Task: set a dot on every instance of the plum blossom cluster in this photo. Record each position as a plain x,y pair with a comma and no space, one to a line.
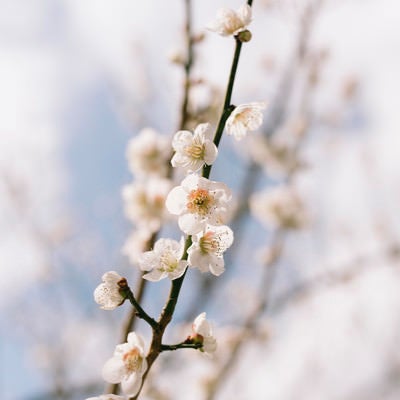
148,155
202,208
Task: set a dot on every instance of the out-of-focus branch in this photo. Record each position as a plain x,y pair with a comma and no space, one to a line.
187,66
215,384
354,269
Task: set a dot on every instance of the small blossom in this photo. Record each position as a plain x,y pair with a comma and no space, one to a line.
244,118
202,333
107,397
198,202
136,244
280,208
276,156
145,202
193,150
107,294
127,365
206,251
164,260
230,22
148,153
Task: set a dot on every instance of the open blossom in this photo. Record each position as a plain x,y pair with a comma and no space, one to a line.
193,150
107,397
280,207
206,251
164,260
107,294
144,202
198,202
202,333
230,22
148,153
127,365
244,118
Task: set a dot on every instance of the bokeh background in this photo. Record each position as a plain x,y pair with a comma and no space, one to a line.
79,78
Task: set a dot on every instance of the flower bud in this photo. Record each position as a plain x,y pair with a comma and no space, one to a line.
244,36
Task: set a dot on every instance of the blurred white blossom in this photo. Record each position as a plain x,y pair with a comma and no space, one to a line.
193,150
206,251
107,397
280,207
202,333
275,155
164,260
144,202
198,202
148,153
127,365
107,294
136,244
230,22
244,118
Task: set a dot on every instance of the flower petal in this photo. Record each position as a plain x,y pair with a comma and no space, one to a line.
210,152
191,223
113,370
217,265
155,275
131,386
176,200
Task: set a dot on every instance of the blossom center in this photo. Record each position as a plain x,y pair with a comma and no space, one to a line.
195,151
132,360
244,117
209,243
169,262
200,201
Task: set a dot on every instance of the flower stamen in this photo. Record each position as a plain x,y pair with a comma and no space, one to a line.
199,202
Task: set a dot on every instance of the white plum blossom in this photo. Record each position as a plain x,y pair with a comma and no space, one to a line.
107,397
206,251
280,207
198,202
144,202
202,333
127,365
148,153
275,155
230,22
107,294
164,260
193,150
136,244
244,118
